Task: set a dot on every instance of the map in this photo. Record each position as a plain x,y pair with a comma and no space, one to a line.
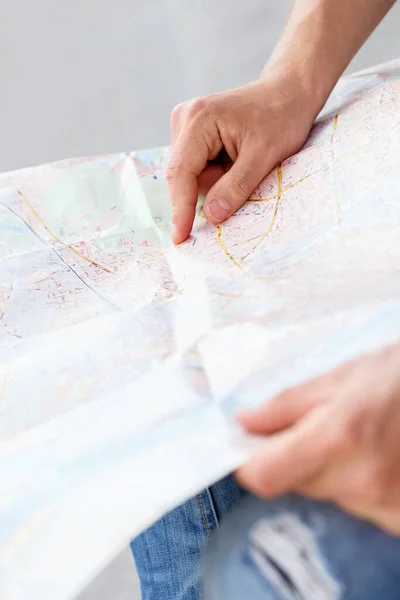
123,358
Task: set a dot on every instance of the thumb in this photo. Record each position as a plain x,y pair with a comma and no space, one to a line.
237,185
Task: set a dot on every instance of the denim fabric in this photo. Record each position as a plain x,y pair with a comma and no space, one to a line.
295,549
168,555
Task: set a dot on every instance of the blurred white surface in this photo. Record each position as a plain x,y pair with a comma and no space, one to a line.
88,78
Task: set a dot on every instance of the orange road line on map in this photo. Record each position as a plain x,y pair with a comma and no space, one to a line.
335,124
273,220
296,183
152,258
286,189
225,249
56,239
281,191
264,235
318,171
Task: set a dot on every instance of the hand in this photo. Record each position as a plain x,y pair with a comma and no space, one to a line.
227,143
335,438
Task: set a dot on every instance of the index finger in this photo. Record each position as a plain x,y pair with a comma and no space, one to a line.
189,158
287,459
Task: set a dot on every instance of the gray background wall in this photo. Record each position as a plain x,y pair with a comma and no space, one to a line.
88,77
92,76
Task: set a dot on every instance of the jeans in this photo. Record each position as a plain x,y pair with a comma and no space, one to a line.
296,549
168,555
288,549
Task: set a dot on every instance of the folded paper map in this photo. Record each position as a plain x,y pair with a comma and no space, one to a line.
123,358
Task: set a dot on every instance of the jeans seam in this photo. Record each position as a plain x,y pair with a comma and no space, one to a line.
204,516
212,506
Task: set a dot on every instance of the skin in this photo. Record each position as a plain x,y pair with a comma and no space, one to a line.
337,437
226,143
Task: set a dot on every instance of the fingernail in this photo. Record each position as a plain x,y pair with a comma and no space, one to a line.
219,210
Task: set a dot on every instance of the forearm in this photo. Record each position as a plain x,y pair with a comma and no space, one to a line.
320,39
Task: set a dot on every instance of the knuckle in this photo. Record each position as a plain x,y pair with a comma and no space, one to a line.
198,106
355,429
173,167
177,112
349,433
241,186
170,173
337,441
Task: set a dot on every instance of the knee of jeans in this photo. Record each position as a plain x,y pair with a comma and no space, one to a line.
266,552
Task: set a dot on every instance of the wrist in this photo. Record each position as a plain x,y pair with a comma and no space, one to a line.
298,88
304,80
